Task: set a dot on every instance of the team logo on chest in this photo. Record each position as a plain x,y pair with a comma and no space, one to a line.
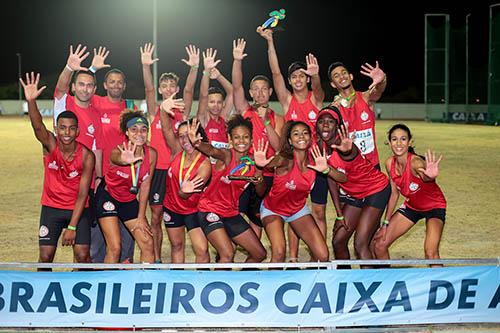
53,165
312,115
90,129
105,119
413,186
225,179
291,185
73,174
364,116
293,115
158,125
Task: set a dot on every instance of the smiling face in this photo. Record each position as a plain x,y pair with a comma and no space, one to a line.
84,87
115,85
168,87
260,92
300,137
67,130
399,141
340,78
241,139
298,80
137,134
182,133
215,104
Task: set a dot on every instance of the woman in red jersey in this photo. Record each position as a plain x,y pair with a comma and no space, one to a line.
218,207
187,175
294,177
129,175
367,188
415,179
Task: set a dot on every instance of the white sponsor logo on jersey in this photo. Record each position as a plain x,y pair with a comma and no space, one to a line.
158,125
108,206
73,174
122,174
105,119
225,179
293,115
44,231
213,130
291,185
212,217
53,165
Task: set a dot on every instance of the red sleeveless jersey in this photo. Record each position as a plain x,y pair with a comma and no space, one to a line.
112,136
289,192
363,179
61,180
306,112
361,119
158,140
88,121
172,199
259,132
216,131
119,178
420,195
222,195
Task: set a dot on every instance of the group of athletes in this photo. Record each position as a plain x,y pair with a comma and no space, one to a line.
234,169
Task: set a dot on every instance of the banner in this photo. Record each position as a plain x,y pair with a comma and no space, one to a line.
306,298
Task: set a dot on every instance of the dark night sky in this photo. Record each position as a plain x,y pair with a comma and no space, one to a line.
352,32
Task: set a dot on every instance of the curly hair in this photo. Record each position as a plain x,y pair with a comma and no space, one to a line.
128,114
237,121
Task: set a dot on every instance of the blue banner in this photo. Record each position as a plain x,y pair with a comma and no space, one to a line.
306,298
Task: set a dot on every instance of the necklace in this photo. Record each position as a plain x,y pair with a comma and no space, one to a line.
191,166
346,101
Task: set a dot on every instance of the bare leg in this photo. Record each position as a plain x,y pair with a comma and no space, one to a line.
156,222
306,229
200,245
433,232
273,225
111,231
143,240
249,241
176,237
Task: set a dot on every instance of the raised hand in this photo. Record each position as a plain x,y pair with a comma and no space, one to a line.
147,54
345,141
312,65
431,164
375,73
214,74
171,103
31,91
267,34
193,56
259,153
127,155
75,58
209,59
239,49
99,58
320,162
193,185
194,137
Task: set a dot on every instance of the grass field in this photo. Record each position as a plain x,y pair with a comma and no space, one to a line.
470,179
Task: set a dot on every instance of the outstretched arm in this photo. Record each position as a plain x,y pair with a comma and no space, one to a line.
31,93
240,102
378,85
209,64
313,72
193,63
147,60
73,64
166,124
228,88
427,170
223,155
284,96
99,59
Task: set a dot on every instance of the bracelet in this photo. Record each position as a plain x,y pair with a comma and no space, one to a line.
327,171
92,69
384,223
69,68
267,122
194,67
339,218
71,227
206,73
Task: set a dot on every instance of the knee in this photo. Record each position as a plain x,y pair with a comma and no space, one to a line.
176,246
380,246
156,215
431,253
278,254
226,255
338,243
82,256
260,255
323,255
114,251
360,244
147,245
45,257
319,214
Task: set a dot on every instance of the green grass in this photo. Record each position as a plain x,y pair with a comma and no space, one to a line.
470,179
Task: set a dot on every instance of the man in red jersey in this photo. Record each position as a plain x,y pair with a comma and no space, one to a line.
68,168
169,85
266,125
300,104
109,108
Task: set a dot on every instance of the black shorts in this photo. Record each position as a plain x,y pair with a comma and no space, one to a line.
415,216
378,200
54,220
249,203
107,206
319,192
158,187
175,220
234,225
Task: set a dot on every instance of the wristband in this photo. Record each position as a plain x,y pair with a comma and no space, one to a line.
71,227
327,171
92,69
339,218
206,73
69,68
194,67
267,122
384,223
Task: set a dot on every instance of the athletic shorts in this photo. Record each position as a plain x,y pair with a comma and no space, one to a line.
415,216
234,225
54,220
264,212
158,187
378,200
249,203
107,206
174,220
319,192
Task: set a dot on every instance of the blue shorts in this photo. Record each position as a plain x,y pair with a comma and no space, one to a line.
264,212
